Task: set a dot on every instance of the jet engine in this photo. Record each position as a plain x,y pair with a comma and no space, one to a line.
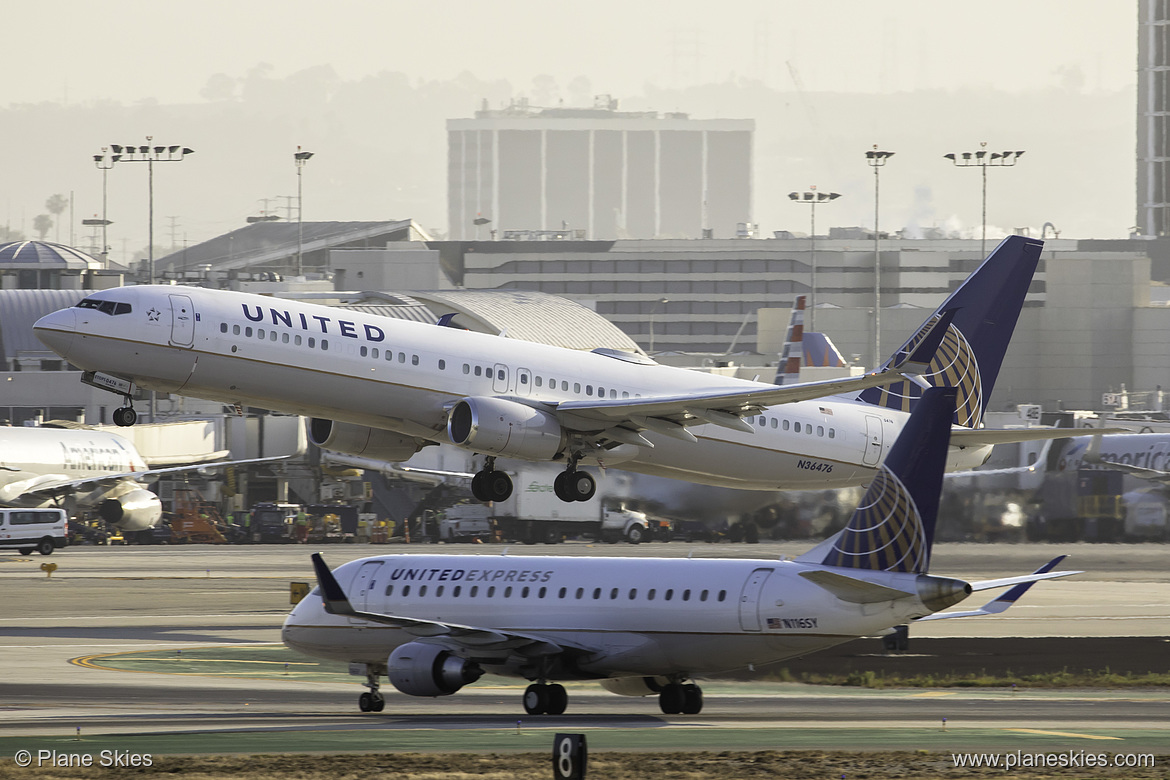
350,439
635,686
501,427
132,510
420,669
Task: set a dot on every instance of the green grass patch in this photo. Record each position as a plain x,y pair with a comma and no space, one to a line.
1065,678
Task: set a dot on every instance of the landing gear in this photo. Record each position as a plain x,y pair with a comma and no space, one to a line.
491,485
125,416
676,699
573,485
542,699
371,701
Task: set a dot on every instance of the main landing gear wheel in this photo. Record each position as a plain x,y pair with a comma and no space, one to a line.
491,485
371,702
125,416
573,485
542,699
676,699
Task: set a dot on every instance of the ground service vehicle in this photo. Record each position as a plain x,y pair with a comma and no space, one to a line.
43,530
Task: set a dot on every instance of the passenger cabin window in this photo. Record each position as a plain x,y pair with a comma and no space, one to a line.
235,330
223,327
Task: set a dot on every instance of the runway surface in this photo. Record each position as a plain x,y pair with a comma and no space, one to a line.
104,601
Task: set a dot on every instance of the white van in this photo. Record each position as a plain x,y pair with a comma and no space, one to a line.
42,530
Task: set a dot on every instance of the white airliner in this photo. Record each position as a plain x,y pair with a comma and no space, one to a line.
384,388
84,470
640,626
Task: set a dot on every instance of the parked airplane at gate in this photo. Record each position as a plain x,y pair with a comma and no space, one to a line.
434,623
83,470
384,388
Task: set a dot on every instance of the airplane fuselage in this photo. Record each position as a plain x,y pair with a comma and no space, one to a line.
403,376
33,457
632,616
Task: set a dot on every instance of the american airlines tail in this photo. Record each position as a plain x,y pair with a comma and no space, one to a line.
893,527
984,311
803,348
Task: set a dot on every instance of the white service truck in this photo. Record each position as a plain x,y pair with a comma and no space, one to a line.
534,514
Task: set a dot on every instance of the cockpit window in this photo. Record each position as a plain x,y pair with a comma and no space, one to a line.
106,307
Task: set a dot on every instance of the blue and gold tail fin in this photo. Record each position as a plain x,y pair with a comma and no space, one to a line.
893,528
984,310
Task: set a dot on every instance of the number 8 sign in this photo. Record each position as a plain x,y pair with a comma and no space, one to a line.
569,757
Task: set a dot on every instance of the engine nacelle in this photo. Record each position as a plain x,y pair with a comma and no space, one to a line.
635,686
350,439
132,510
420,669
502,427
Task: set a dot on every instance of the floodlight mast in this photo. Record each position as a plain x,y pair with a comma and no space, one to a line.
983,160
812,197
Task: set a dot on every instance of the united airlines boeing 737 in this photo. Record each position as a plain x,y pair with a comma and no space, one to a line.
643,626
384,388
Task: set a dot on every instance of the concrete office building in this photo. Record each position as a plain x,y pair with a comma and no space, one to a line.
597,173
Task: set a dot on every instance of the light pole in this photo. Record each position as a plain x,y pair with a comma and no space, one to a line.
104,162
983,160
812,197
877,160
300,158
653,311
149,155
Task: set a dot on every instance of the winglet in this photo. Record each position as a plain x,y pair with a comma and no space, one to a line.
334,598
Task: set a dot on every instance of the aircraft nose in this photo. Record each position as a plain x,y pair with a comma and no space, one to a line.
57,331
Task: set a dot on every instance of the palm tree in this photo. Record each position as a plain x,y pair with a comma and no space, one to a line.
56,205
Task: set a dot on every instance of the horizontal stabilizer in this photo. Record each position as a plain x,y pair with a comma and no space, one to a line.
1002,602
982,437
851,589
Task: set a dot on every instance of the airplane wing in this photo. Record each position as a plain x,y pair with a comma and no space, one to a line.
58,484
672,414
1093,455
1002,602
470,637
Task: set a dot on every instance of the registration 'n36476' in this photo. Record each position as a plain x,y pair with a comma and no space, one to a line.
812,465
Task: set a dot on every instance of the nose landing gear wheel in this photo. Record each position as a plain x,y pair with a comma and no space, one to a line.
125,416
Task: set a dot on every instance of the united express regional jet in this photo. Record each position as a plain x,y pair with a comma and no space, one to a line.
383,388
642,626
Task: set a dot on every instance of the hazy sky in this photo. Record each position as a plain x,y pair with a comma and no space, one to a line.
128,50
1046,59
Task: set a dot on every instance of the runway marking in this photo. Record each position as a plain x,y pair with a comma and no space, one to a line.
1063,734
932,694
226,661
